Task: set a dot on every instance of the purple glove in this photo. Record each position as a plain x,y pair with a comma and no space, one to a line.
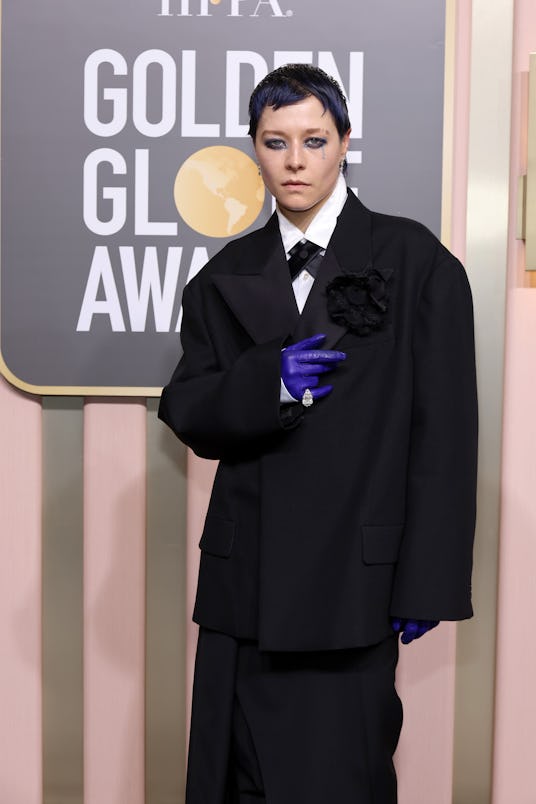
412,629
302,362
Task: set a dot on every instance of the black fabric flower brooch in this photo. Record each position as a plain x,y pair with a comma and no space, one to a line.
358,301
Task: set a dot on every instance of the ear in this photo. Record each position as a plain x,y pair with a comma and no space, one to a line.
345,142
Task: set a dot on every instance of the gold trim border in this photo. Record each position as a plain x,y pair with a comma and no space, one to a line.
77,390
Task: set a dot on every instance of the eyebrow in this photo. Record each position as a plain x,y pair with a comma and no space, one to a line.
323,131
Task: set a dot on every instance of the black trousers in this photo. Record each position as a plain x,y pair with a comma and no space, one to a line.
293,728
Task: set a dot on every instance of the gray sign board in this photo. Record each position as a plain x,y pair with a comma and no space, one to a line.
126,162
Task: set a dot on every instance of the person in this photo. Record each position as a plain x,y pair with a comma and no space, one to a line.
328,365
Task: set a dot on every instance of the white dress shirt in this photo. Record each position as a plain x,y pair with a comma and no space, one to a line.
319,232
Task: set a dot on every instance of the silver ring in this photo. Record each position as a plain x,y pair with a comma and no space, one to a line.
307,398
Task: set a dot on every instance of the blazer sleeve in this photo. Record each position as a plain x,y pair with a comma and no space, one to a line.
224,413
433,574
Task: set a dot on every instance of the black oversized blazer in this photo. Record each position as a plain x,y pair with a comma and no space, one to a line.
324,521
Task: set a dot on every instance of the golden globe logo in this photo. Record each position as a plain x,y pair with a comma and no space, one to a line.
218,191
235,8
136,283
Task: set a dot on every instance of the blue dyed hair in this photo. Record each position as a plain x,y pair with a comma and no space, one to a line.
292,83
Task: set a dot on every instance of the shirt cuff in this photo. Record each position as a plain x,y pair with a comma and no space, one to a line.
284,397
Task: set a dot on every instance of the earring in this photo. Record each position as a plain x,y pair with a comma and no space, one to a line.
259,170
343,165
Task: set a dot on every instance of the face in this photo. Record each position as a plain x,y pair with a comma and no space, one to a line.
299,152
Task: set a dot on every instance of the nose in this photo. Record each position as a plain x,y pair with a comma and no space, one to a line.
295,156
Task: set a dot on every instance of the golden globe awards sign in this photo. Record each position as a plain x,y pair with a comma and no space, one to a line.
126,162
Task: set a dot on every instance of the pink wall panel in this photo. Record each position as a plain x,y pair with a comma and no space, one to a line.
425,681
515,721
114,602
20,597
515,704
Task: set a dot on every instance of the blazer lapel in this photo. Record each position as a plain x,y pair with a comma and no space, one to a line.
349,250
259,289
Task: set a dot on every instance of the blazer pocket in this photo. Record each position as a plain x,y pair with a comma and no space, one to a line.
218,537
381,543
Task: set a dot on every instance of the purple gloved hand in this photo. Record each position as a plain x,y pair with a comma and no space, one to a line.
303,362
412,629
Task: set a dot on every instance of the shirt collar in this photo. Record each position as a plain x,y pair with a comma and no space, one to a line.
321,227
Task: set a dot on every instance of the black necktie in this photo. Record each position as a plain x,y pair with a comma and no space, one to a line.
301,255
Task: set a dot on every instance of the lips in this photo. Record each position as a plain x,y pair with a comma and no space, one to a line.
295,184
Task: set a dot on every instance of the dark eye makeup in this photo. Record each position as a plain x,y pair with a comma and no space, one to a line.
276,144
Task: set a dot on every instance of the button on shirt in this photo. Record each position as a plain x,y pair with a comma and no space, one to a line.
319,232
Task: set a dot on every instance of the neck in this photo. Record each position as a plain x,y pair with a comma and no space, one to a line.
301,218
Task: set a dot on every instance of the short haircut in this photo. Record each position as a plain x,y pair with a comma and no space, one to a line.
292,83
